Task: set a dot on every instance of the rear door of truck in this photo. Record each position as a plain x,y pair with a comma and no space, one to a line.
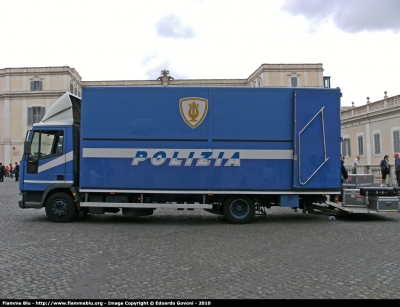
317,139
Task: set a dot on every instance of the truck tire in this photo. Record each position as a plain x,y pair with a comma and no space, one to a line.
60,208
239,209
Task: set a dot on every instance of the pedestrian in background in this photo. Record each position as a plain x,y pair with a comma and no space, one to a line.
397,167
16,171
11,171
385,167
343,172
2,172
356,163
343,177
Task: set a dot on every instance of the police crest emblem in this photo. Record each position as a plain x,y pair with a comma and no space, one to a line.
193,110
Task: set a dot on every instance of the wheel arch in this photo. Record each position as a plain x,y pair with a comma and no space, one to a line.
55,188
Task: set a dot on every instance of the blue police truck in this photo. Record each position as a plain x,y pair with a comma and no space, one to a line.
235,151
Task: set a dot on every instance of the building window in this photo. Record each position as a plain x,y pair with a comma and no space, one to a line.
327,82
346,147
293,81
35,115
396,140
259,83
377,144
360,140
73,89
36,85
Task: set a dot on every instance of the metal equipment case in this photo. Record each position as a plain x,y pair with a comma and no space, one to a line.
383,203
380,191
352,198
359,180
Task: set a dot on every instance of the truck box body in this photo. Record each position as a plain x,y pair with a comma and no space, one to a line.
137,138
228,150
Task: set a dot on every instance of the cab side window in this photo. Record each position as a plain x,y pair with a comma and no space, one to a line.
51,144
45,144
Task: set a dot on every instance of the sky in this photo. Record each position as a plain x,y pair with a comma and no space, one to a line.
357,41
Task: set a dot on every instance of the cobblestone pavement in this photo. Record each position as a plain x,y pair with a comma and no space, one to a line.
196,255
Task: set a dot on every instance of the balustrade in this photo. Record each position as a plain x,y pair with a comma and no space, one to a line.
386,103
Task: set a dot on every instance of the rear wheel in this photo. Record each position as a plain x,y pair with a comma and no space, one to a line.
239,209
60,208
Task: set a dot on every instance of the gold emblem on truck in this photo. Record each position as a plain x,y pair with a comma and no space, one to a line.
193,110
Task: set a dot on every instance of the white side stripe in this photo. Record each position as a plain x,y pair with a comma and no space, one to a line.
184,153
48,181
58,161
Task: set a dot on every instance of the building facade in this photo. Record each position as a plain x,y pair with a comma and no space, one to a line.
25,95
372,131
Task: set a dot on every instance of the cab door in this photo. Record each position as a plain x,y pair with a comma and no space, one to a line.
46,163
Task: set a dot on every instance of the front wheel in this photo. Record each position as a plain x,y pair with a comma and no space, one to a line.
239,209
60,208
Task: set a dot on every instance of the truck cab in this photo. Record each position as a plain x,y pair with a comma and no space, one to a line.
50,159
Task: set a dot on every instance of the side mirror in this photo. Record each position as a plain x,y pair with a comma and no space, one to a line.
27,147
